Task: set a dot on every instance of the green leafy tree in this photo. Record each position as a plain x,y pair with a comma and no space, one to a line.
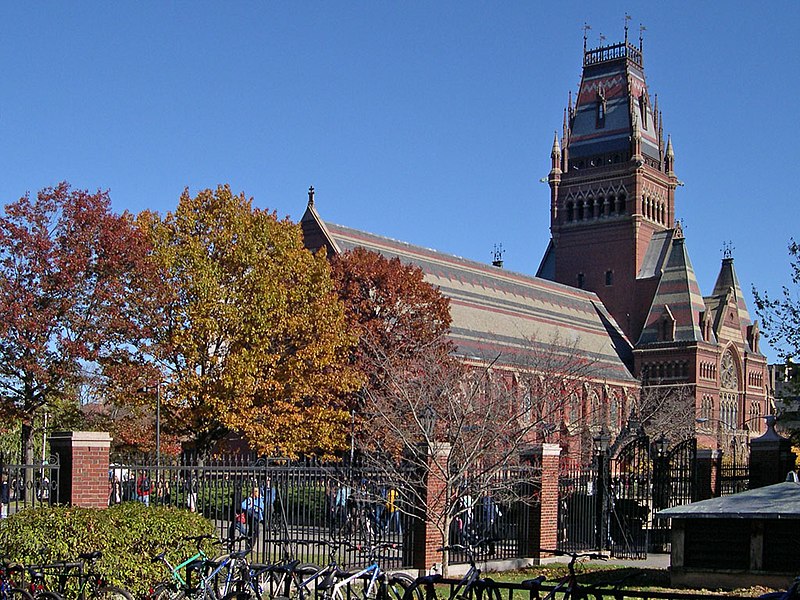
780,316
69,269
249,333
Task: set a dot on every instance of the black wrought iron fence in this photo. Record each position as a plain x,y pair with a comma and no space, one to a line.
283,506
498,511
577,508
27,485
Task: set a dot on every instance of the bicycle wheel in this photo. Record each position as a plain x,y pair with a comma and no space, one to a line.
228,578
165,591
297,584
419,590
112,593
16,594
482,589
397,585
48,596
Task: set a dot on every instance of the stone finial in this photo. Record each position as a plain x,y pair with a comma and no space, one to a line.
311,196
555,153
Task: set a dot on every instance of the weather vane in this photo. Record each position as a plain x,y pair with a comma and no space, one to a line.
727,249
497,255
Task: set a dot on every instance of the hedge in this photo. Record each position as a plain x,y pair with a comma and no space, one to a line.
127,534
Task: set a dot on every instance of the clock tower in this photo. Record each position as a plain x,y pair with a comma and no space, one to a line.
613,232
612,186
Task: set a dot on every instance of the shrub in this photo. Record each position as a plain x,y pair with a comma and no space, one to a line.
127,534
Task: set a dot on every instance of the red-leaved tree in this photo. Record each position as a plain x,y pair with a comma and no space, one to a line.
69,269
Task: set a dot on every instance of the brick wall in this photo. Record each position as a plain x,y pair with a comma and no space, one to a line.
83,474
544,515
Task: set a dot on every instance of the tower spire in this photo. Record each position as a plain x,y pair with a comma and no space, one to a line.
555,153
670,158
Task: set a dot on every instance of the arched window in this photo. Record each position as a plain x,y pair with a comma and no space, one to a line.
570,212
729,390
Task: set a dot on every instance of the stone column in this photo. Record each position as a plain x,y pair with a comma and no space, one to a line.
83,472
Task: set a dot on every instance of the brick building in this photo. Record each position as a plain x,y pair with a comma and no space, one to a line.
616,277
613,232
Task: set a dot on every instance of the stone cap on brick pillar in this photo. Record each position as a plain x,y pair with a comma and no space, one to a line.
92,439
546,450
83,471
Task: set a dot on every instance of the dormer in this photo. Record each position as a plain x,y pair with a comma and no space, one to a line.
666,326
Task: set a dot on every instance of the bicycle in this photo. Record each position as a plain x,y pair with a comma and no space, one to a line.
280,580
91,584
470,587
376,584
178,586
568,587
8,591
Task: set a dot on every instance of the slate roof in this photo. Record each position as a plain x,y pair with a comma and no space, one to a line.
727,284
499,312
678,293
616,73
778,501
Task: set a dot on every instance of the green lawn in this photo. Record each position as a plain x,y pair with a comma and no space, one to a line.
655,580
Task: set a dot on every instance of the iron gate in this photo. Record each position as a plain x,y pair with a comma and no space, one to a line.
630,499
611,504
674,483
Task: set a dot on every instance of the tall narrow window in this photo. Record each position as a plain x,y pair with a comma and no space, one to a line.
643,109
581,280
609,277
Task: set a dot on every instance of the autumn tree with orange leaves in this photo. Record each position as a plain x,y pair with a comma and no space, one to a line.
251,336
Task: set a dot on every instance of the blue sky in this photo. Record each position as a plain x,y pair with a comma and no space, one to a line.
426,122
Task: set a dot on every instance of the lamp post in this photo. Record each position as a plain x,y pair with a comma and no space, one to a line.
158,423
661,477
601,444
427,420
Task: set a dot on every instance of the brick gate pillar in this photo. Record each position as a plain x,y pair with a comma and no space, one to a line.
427,536
83,467
544,515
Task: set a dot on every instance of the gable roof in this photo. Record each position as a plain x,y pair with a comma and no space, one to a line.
677,291
727,292
496,312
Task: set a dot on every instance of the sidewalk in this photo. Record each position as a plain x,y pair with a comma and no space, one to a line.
653,561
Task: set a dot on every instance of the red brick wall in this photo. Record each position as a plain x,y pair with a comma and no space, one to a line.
83,472
428,538
544,515
548,533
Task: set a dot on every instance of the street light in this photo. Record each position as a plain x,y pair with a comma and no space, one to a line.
427,420
158,423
